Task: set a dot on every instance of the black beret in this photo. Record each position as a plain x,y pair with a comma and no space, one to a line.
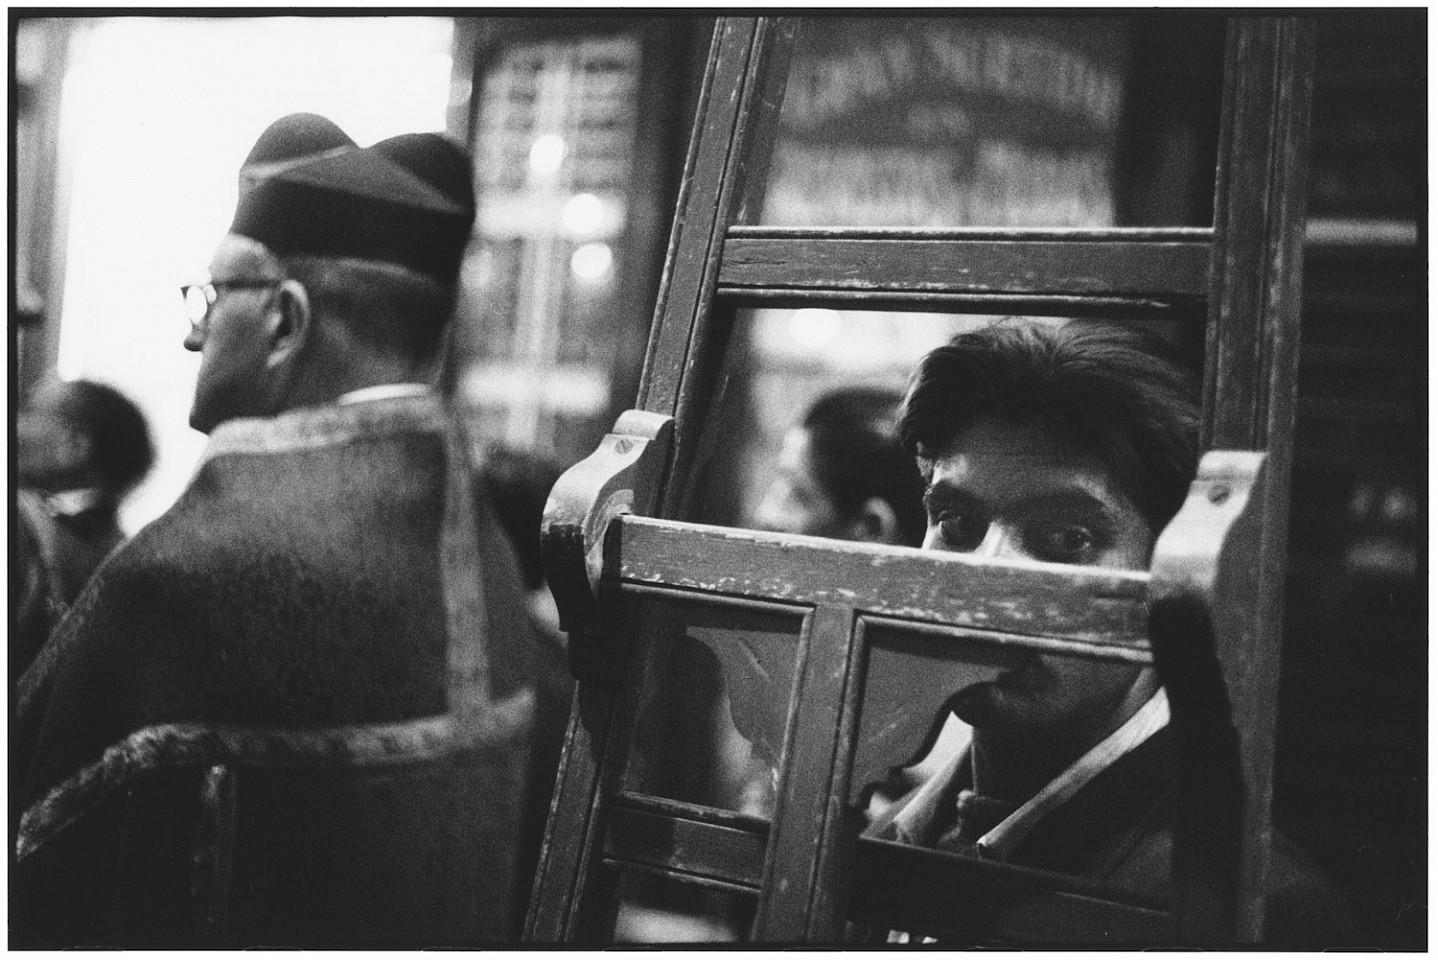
308,189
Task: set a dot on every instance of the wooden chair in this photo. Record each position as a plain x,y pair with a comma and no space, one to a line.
812,633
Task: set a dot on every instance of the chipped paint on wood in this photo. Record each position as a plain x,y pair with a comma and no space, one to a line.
1122,266
1095,605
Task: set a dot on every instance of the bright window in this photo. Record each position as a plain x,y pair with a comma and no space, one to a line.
157,116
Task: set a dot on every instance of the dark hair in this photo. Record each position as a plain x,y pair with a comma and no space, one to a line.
855,454
1120,391
383,304
121,450
518,483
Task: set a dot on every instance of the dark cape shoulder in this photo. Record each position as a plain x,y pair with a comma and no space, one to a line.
325,597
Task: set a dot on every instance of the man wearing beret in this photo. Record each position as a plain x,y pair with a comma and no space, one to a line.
298,709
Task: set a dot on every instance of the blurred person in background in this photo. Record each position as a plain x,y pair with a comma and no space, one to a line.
842,474
80,447
519,482
298,709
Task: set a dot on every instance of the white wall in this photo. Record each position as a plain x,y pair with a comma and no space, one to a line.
157,116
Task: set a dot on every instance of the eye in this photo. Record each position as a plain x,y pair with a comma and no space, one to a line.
961,531
1063,542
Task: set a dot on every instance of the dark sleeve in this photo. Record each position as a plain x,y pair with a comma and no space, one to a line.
28,597
1305,909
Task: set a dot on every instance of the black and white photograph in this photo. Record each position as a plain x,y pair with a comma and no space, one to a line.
579,478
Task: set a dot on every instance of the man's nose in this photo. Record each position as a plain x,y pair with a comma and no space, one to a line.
1001,543
770,515
194,340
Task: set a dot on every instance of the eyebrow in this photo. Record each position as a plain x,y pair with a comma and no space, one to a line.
945,493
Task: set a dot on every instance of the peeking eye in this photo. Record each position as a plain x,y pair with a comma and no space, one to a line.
1064,543
961,532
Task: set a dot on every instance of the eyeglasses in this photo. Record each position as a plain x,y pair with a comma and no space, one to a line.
200,297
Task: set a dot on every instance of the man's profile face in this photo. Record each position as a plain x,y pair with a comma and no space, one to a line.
232,341
1015,491
795,502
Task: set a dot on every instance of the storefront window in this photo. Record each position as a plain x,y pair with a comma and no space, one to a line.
951,122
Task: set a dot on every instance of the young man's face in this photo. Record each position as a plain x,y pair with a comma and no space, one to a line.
1009,490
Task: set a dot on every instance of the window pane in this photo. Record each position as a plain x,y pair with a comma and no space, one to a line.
655,909
783,367
715,688
998,122
556,154
922,777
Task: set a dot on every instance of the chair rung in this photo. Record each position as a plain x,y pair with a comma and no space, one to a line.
1100,608
1116,309
931,892
1155,266
694,842
716,848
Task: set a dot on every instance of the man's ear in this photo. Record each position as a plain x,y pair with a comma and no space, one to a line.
875,522
287,326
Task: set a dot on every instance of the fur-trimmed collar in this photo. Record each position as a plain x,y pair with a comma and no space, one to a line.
327,425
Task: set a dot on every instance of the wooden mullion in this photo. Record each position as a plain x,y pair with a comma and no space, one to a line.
808,816
1252,365
834,863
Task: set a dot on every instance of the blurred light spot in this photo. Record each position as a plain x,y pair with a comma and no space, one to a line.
1397,507
547,153
583,215
815,327
591,261
479,268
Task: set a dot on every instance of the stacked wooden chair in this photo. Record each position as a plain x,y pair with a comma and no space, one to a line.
837,657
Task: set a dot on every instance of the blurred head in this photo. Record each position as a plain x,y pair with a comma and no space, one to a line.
518,483
81,433
842,474
1072,444
338,272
